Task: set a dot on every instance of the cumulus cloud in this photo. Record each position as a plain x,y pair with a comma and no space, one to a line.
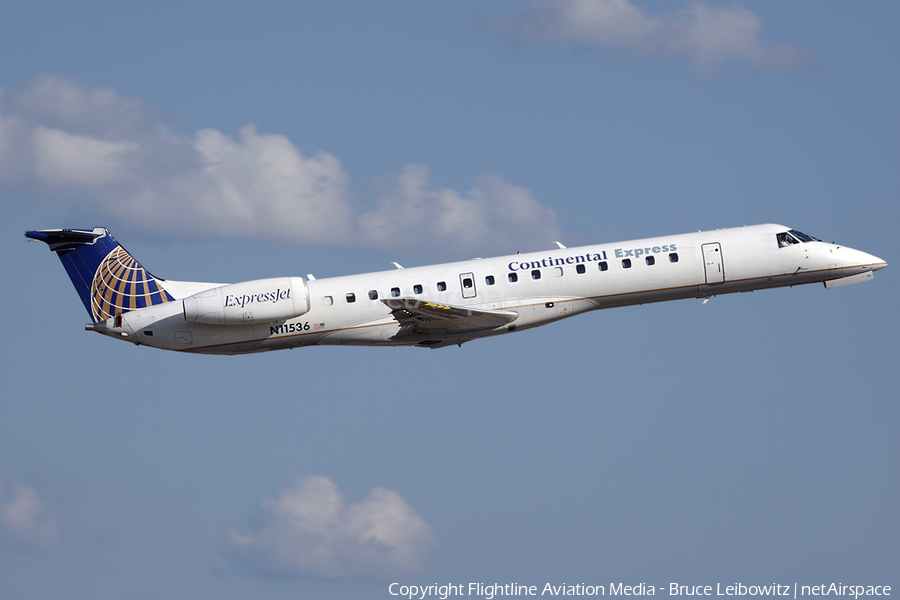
308,530
105,154
707,35
25,517
491,209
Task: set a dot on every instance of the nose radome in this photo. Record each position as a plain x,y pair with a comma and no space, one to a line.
873,261
863,260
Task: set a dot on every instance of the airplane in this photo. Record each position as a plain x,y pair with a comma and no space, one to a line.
439,305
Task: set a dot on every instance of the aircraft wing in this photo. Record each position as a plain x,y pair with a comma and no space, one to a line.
420,316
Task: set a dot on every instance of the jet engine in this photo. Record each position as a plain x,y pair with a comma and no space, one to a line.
262,300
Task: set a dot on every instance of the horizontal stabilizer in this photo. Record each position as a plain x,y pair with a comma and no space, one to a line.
420,316
65,239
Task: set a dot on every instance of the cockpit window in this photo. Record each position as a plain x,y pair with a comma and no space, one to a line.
803,237
785,239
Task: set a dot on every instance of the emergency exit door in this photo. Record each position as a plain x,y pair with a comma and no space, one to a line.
712,263
467,283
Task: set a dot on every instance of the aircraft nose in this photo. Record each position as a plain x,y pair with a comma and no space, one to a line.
875,262
864,260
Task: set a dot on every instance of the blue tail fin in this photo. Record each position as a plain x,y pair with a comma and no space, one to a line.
109,280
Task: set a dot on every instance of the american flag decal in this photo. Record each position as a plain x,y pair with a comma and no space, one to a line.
319,326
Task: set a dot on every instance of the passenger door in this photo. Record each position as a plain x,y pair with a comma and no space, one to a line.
713,264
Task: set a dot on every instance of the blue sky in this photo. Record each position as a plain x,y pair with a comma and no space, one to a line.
751,439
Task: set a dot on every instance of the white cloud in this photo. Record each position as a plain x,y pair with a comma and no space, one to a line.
66,159
258,186
308,530
707,35
493,209
106,155
26,517
60,102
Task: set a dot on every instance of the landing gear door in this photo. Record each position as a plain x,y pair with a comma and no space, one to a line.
712,263
467,283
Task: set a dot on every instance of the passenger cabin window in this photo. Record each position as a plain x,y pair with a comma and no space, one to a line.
328,300
442,286
373,295
579,269
626,263
351,297
417,289
650,261
395,292
489,280
603,266
557,272
513,277
673,257
536,274
468,283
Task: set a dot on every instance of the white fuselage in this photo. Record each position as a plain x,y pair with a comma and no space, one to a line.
531,289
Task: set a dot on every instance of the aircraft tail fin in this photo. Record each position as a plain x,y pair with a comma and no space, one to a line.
108,279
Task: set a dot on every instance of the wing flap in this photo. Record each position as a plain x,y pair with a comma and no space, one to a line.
421,316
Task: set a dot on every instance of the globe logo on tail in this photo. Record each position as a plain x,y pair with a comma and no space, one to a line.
121,284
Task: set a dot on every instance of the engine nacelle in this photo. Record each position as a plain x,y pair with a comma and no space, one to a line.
262,300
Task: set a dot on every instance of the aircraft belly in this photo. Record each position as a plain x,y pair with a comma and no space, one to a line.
174,333
363,334
648,296
539,311
226,339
